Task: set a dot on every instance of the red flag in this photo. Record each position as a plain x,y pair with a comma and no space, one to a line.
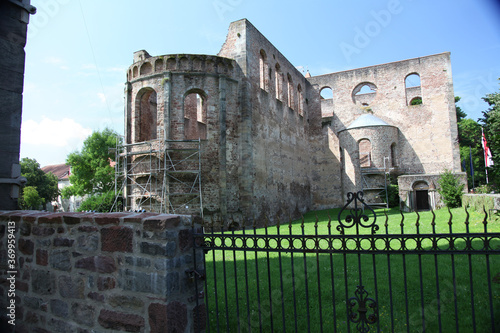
488,158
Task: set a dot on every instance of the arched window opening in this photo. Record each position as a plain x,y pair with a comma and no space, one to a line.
300,102
416,101
326,93
136,71
263,72
393,155
412,80
195,116
146,68
365,153
146,110
159,65
290,92
364,93
413,89
279,83
326,100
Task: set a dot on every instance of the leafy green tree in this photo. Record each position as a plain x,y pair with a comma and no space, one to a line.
450,189
45,184
30,198
460,113
91,172
469,139
102,203
491,123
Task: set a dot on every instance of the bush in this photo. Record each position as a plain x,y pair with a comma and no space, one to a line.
392,195
450,189
30,198
99,203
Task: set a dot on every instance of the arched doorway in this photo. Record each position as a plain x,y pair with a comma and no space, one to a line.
421,195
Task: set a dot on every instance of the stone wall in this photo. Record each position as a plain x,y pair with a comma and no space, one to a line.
91,272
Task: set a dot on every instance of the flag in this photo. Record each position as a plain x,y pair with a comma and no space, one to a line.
488,158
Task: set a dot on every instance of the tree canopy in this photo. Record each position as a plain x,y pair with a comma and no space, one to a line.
91,172
39,182
491,121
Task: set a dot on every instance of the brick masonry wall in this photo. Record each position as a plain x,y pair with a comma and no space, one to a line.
92,272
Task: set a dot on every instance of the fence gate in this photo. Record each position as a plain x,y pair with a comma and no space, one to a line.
351,275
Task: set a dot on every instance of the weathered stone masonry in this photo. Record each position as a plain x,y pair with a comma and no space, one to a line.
87,272
273,146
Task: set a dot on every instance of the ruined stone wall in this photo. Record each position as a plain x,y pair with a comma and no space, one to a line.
89,272
428,131
275,127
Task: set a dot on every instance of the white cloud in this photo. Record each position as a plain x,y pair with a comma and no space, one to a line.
59,133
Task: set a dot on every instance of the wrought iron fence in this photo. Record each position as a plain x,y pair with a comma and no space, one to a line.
352,275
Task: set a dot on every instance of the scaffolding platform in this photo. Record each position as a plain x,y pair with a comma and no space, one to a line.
161,176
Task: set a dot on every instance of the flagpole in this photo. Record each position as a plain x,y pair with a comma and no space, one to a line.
485,150
471,167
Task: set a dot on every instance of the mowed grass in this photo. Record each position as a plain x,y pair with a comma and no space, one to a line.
280,292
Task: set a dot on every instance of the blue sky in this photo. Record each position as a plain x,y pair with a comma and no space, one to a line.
78,50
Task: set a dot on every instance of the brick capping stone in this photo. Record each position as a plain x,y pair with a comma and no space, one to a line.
116,272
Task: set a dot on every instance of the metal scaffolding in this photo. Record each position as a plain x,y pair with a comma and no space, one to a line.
160,176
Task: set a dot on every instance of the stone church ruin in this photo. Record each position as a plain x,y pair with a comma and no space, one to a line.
244,134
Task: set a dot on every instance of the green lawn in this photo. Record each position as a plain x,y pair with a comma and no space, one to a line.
252,295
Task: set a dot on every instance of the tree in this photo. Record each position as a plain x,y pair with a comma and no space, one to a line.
450,189
45,184
30,198
491,122
91,172
469,139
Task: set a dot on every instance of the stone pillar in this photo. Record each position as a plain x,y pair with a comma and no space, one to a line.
14,18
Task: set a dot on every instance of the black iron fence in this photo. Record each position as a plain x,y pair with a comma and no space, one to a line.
351,275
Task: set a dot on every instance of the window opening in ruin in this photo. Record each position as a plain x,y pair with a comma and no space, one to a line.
290,92
365,153
393,155
326,93
263,70
364,93
366,89
413,89
146,111
146,68
412,80
278,82
416,101
300,108
136,71
159,65
195,116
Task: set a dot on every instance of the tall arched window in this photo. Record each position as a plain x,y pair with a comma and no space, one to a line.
413,89
195,115
263,72
290,92
279,82
146,110
365,153
300,101
393,155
